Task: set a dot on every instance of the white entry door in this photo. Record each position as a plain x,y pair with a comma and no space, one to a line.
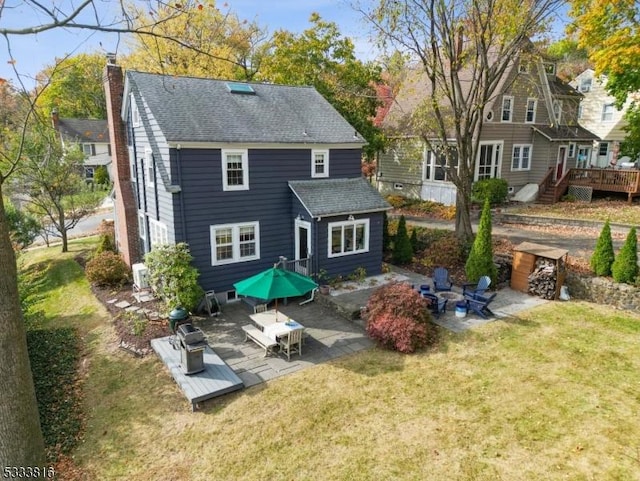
302,245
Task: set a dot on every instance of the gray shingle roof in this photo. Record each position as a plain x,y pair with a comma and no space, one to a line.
324,197
566,133
84,130
192,109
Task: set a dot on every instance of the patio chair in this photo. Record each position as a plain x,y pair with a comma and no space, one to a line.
480,305
260,308
437,305
476,289
441,281
292,343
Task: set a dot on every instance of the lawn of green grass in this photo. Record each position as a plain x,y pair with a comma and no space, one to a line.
551,394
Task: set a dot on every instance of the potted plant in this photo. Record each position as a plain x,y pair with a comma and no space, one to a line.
323,282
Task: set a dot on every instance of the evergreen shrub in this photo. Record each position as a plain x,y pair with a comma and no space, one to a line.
494,190
402,251
480,261
603,255
625,267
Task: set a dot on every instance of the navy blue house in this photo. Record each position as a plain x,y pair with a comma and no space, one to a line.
245,174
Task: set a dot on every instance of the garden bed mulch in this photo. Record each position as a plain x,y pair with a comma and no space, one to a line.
135,335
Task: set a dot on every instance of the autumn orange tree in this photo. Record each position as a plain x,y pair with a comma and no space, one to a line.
219,44
610,31
463,48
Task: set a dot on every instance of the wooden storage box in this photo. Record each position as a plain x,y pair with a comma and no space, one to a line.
525,256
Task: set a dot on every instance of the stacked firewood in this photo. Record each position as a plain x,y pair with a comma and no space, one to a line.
542,281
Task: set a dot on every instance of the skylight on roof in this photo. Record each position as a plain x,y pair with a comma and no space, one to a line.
240,88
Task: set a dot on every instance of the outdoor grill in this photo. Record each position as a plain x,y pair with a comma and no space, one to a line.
192,345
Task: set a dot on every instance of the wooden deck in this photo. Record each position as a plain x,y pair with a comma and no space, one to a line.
611,180
217,378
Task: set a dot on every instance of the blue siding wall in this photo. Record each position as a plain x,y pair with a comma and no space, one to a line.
202,203
345,265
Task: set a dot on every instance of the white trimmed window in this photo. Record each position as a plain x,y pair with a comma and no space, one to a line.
580,111
135,115
572,150
149,168
607,112
232,243
530,117
319,163
88,149
507,108
157,233
348,237
585,84
521,159
235,170
142,226
557,110
433,169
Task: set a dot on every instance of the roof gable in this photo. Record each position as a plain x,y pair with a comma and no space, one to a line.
84,130
329,197
190,109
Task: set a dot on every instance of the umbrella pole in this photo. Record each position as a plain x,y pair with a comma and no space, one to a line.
276,309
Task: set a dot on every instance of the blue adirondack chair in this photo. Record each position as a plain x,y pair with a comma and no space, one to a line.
480,305
441,281
437,305
474,289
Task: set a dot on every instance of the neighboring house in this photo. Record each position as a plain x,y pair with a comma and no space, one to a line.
244,173
530,127
599,114
92,136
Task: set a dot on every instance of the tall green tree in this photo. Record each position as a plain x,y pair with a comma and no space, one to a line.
625,267
74,87
480,261
603,255
23,227
321,57
21,441
463,48
51,176
610,32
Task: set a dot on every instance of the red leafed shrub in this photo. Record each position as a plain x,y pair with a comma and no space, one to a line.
398,318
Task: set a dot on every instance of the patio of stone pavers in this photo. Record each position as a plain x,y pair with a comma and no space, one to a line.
327,336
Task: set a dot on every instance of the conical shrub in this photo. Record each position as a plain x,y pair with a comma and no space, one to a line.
603,255
480,261
625,267
402,251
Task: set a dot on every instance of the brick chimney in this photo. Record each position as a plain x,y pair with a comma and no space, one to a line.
126,211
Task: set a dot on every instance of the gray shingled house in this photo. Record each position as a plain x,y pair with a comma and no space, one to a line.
530,133
93,137
244,173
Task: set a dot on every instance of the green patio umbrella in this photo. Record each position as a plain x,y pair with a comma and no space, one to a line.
275,283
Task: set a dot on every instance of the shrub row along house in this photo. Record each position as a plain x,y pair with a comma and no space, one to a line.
244,173
530,130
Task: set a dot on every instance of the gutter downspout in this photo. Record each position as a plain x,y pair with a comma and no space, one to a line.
183,221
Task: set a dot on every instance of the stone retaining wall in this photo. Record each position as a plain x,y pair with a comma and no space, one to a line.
602,290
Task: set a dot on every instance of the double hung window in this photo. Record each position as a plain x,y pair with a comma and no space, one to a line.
521,159
235,170
232,243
